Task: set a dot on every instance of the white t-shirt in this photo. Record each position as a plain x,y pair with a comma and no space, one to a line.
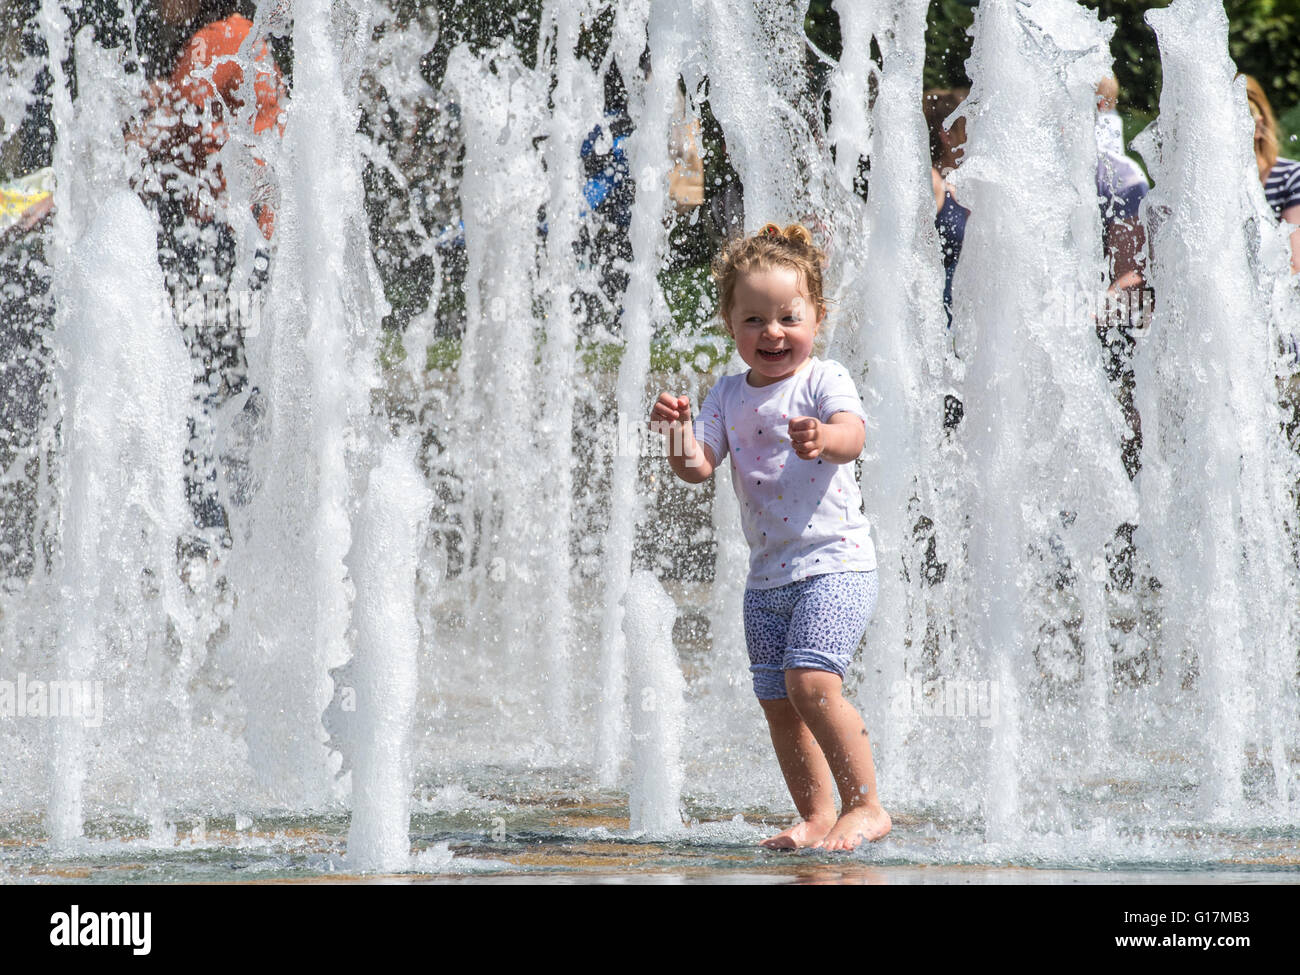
801,517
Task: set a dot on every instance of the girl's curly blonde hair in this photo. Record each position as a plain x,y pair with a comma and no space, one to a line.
771,247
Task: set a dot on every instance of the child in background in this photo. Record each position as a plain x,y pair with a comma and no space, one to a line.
793,425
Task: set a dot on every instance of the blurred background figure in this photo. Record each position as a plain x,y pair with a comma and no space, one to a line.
608,193
946,147
1281,179
24,203
1280,176
686,181
1121,187
1110,127
195,106
194,109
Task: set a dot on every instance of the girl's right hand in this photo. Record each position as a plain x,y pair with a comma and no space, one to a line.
669,409
689,461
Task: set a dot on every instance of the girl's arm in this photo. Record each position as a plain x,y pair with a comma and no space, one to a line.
839,440
1128,253
690,460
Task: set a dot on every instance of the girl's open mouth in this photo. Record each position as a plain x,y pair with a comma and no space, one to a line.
773,355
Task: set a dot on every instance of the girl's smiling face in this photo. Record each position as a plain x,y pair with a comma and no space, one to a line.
773,321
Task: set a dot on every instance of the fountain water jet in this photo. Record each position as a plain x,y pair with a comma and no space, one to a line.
891,337
1040,438
1208,381
1039,508
123,505
656,692
652,103
312,362
576,100
121,430
384,670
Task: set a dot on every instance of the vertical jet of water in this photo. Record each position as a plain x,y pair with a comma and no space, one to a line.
576,100
755,53
312,362
382,565
120,383
1213,483
851,131
725,603
657,704
652,101
502,110
123,395
77,649
1035,387
892,335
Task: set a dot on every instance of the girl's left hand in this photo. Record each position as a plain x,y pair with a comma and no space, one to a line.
807,437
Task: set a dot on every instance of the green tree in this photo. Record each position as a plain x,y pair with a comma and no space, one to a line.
1264,40
947,43
822,25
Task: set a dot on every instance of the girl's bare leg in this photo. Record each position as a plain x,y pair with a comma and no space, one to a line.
807,776
838,730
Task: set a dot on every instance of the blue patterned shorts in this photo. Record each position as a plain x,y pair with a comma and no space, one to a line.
814,623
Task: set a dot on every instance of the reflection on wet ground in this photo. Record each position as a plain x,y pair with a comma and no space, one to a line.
461,837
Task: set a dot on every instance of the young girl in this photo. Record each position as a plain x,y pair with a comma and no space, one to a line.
793,425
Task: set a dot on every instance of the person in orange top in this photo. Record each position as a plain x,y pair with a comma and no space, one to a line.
195,111
197,104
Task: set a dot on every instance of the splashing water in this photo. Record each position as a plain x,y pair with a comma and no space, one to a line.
384,672
654,795
1038,507
1220,472
505,621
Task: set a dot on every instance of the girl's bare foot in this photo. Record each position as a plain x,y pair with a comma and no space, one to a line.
866,823
800,835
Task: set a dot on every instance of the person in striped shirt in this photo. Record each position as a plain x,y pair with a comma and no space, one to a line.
1280,176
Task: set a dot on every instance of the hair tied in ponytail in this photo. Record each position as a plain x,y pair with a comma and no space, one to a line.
770,247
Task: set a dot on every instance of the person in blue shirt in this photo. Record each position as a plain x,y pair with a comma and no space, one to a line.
946,149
